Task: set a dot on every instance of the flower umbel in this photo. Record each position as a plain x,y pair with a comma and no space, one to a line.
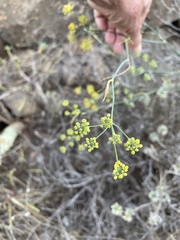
83,20
65,103
71,36
116,138
86,44
106,121
91,144
72,27
63,149
133,145
67,8
82,129
120,170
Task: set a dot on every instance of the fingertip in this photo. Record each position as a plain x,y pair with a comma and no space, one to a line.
101,23
138,48
136,43
118,49
110,36
118,44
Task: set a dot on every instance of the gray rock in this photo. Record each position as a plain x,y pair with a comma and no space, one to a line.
25,23
163,12
21,104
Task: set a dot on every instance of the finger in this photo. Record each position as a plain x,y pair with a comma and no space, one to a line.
136,42
110,35
119,43
100,20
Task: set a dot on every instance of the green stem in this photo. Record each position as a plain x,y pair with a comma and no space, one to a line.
153,41
127,49
101,133
121,130
90,32
115,150
112,85
95,126
160,37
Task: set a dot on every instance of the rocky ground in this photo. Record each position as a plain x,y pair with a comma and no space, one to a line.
48,195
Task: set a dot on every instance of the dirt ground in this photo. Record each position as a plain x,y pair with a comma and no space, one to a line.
48,195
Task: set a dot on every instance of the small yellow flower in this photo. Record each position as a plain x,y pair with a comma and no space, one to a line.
65,103
76,111
70,131
71,144
107,121
95,95
116,138
83,20
153,64
67,8
87,102
71,36
86,44
91,144
90,104
94,107
63,149
75,106
120,170
90,89
67,113
133,145
62,137
78,90
72,27
81,147
77,138
82,128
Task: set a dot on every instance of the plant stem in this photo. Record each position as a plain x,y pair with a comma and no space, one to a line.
115,150
101,133
112,85
95,126
121,130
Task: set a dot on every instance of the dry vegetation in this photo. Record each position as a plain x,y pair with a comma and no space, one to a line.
47,195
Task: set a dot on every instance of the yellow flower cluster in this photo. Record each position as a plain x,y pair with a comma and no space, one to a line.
91,91
116,138
65,103
70,139
94,96
91,144
71,110
107,121
78,90
86,44
71,36
72,32
82,128
63,149
120,170
67,9
83,20
133,145
72,27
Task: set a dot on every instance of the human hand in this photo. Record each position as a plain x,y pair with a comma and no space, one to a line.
121,19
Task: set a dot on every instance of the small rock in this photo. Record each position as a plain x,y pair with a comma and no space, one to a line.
21,104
